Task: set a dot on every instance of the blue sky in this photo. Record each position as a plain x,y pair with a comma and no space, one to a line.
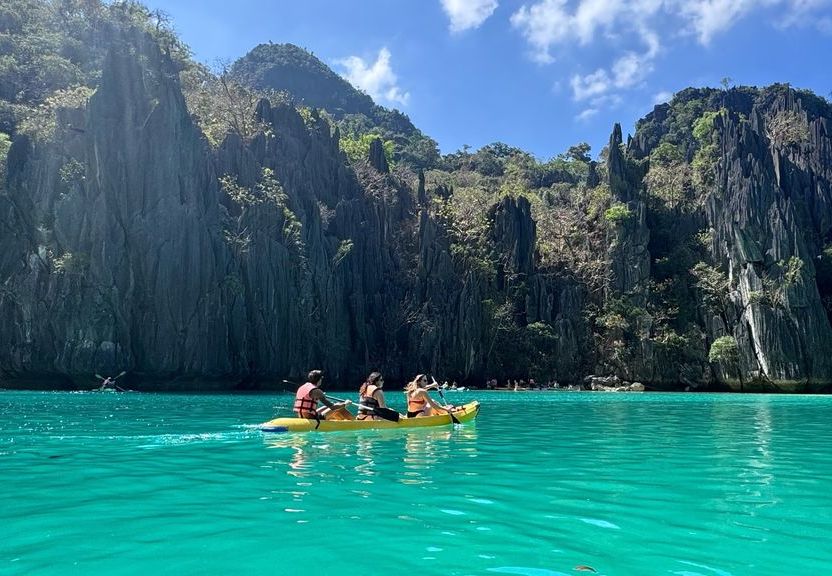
537,74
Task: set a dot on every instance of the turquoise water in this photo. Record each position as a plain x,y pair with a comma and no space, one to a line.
635,484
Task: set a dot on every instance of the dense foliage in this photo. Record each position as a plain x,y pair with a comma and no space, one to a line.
59,45
292,70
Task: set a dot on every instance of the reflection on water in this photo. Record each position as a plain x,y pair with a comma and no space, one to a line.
365,467
373,453
422,451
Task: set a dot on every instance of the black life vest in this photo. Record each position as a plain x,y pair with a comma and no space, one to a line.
367,404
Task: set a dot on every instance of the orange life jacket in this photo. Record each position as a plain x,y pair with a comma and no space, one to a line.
305,406
416,404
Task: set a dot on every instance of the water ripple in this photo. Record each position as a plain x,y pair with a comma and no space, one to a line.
542,483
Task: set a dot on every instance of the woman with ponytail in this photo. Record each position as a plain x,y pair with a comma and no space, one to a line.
371,397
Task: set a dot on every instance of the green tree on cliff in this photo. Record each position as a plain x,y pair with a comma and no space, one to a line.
724,350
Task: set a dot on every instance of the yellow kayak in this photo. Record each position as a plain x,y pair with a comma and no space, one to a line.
464,413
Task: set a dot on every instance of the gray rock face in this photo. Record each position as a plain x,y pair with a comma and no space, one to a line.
768,219
629,259
120,261
538,296
377,158
770,214
128,243
142,261
628,239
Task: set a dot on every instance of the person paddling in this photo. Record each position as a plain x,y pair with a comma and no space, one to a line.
308,396
419,402
371,397
109,383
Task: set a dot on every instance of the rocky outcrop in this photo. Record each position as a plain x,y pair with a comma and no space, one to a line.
766,217
143,263
122,250
611,384
628,236
449,327
127,242
770,216
627,252
377,159
537,296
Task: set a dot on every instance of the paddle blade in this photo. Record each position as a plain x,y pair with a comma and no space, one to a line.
388,414
454,419
99,376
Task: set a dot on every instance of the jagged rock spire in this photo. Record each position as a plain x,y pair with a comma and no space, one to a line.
377,159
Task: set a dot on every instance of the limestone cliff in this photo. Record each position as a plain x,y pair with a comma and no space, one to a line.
764,159
131,240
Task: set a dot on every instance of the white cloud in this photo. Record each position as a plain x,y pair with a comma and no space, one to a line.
706,18
631,69
804,13
592,15
627,71
586,114
467,14
550,26
544,24
376,79
594,84
606,101
662,97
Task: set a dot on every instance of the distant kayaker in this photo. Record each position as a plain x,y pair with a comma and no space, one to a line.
308,396
371,397
109,383
419,402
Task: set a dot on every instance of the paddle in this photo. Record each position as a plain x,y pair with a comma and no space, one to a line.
385,413
114,378
454,419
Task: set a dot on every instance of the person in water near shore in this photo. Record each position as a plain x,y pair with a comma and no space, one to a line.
308,396
370,397
419,402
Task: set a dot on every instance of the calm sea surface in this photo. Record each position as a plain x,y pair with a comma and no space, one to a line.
628,484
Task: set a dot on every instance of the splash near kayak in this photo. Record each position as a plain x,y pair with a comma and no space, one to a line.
463,414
